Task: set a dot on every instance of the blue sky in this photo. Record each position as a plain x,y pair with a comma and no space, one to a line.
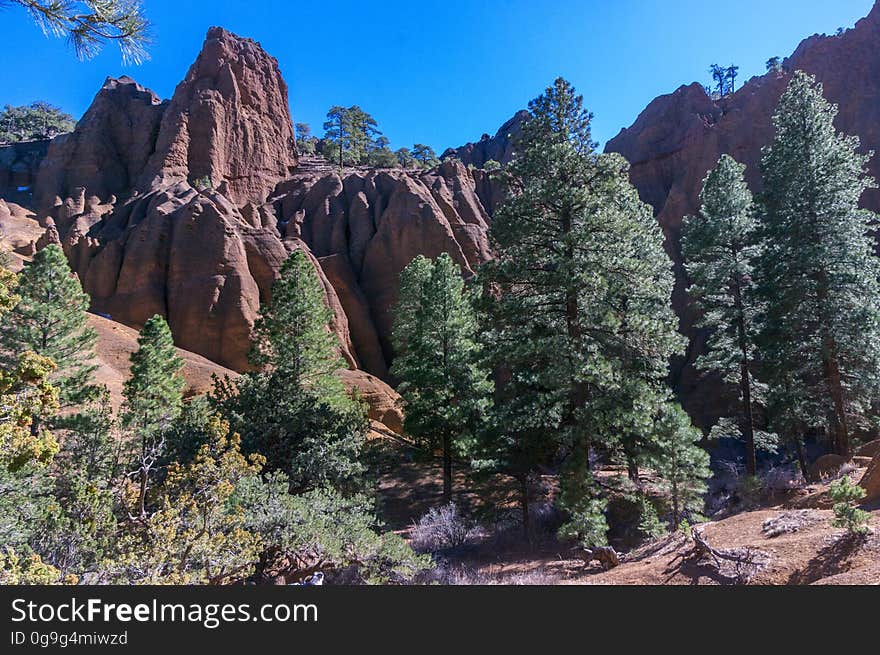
441,72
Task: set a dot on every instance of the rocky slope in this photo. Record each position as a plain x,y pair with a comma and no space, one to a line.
116,343
680,136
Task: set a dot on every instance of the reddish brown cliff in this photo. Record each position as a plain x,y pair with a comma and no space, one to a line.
680,136
366,225
228,122
188,208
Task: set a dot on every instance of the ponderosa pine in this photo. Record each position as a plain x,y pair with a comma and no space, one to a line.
294,409
51,320
818,271
719,245
581,287
438,360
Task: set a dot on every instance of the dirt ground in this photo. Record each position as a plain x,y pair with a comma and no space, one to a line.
791,542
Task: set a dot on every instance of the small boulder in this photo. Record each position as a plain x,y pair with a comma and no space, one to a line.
871,480
827,466
870,449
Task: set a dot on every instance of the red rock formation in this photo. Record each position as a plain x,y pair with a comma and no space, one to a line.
498,148
228,121
871,480
365,226
680,136
120,195
142,239
383,402
107,152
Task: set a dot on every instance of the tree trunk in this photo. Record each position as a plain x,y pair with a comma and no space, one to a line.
831,366
524,506
632,468
447,469
745,386
748,419
835,386
802,459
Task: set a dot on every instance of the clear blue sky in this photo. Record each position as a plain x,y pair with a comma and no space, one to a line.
442,72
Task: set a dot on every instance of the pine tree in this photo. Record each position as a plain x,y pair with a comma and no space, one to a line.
294,410
437,360
424,155
682,465
582,292
818,272
51,320
350,134
718,247
153,395
90,25
291,334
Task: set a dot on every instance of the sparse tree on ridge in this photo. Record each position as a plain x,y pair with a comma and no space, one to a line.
39,120
731,73
305,142
405,158
350,134
425,155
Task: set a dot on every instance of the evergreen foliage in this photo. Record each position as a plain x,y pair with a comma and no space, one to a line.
50,319
294,410
818,273
846,494
718,247
438,360
90,24
581,292
681,463
38,120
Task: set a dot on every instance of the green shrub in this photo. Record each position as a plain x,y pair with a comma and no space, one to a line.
845,494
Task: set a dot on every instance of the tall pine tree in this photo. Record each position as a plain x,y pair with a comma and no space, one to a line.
50,320
294,409
153,397
719,246
819,275
582,288
438,359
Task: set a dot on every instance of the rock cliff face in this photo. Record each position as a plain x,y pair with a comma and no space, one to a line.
228,122
498,147
19,163
187,208
365,226
118,194
680,136
104,156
